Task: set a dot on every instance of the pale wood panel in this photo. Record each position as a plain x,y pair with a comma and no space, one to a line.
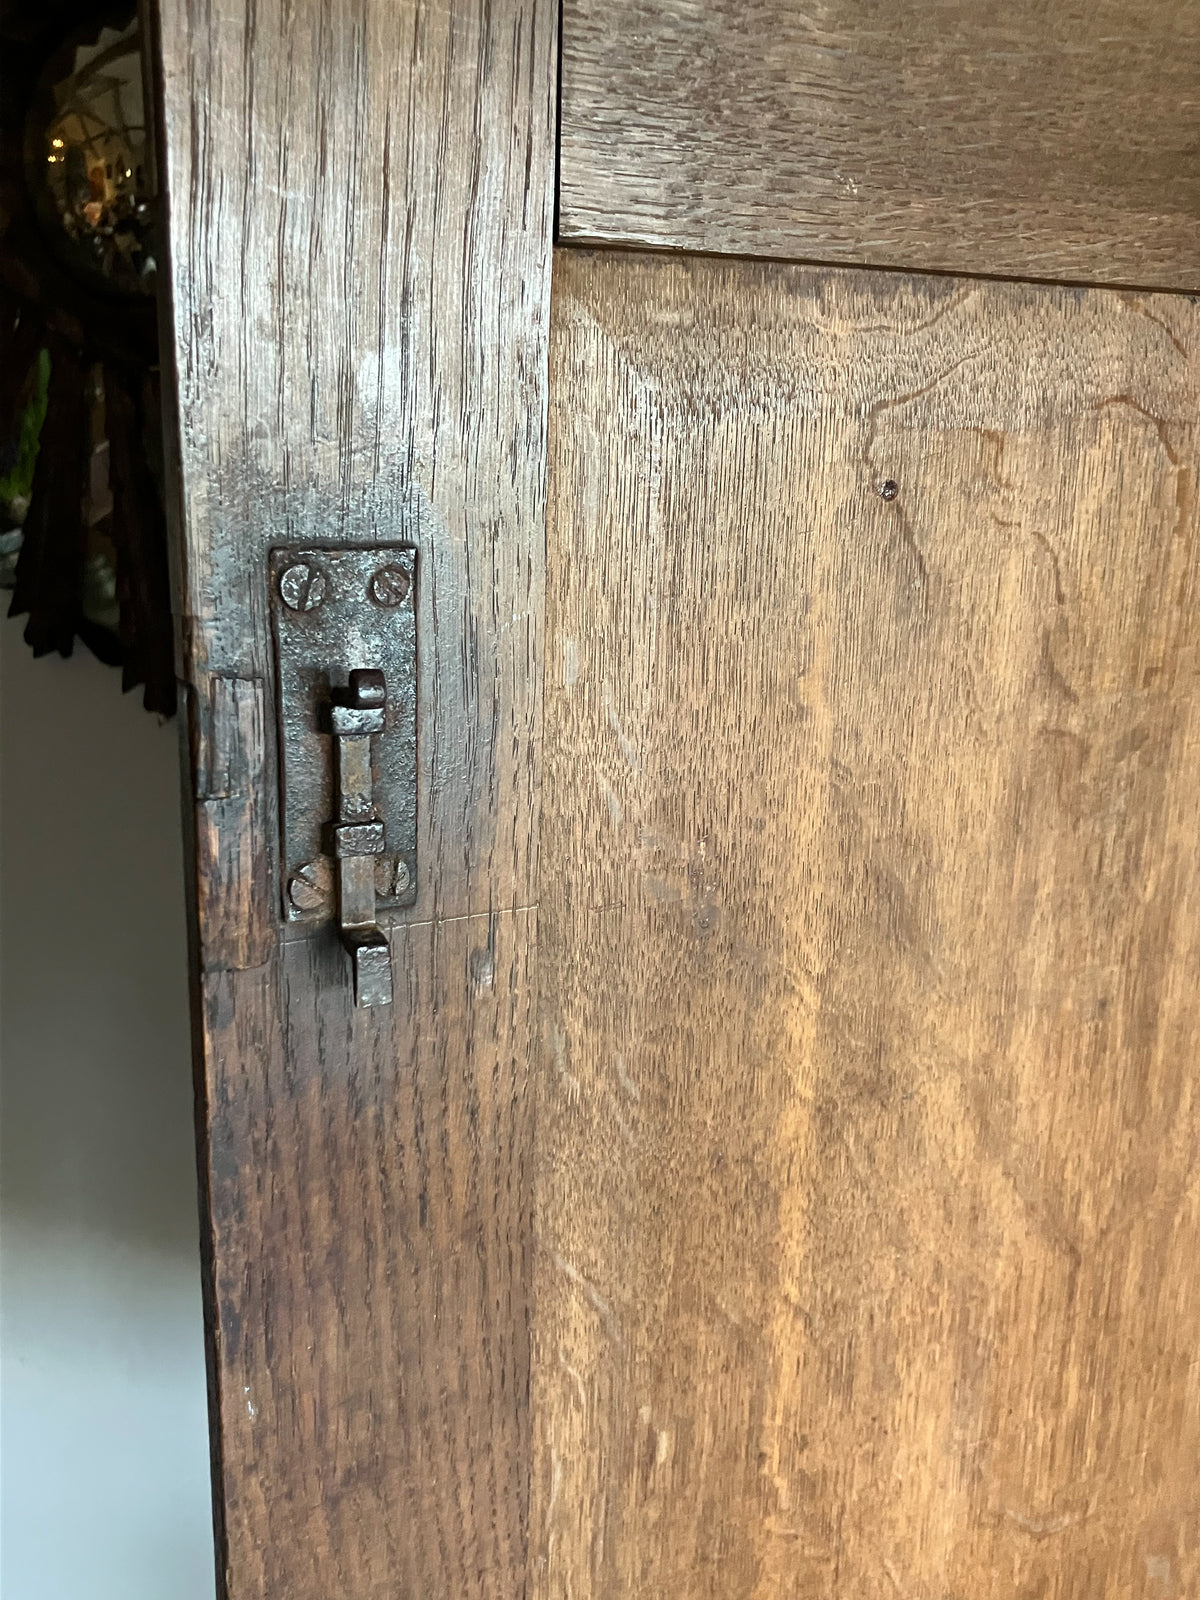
868,1201
1034,139
359,222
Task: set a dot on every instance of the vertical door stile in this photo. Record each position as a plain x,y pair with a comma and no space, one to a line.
359,203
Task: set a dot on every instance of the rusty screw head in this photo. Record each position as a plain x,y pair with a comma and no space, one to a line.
392,876
308,887
389,586
302,586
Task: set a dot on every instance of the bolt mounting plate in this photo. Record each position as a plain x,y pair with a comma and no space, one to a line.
335,611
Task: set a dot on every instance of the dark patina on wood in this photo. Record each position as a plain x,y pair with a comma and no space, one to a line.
359,226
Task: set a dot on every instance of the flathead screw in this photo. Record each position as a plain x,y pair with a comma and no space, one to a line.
308,888
389,586
302,586
392,876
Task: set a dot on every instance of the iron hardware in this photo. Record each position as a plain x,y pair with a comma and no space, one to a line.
358,835
344,625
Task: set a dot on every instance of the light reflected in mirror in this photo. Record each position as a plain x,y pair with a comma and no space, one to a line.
97,190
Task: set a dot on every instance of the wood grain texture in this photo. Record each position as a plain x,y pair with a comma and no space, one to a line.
868,1202
359,203
1030,139
371,1247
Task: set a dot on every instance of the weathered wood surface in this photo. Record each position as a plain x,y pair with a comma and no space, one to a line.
868,1201
360,202
1037,139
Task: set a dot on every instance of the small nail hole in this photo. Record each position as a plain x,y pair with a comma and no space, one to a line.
889,489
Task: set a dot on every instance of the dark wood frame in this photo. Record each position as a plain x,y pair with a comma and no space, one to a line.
359,217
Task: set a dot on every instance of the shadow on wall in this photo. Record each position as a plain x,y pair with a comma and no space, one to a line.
104,1488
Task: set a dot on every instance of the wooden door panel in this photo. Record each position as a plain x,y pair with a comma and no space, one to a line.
1028,139
359,228
867,1199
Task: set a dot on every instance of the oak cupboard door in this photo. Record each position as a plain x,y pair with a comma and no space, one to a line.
774,1175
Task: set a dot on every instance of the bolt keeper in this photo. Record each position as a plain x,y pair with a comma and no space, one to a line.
356,839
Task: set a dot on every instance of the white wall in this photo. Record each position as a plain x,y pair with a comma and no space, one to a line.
104,1490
